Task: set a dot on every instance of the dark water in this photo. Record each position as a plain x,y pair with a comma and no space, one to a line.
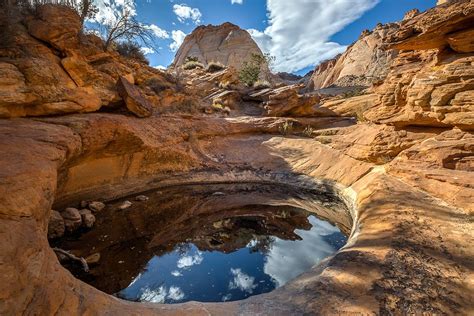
209,243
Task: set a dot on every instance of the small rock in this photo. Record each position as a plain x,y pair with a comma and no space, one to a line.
72,219
218,193
96,206
56,226
125,205
94,258
88,219
141,198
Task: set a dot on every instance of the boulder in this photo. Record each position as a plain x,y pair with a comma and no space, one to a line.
134,99
56,226
96,206
88,219
227,44
56,25
286,101
72,219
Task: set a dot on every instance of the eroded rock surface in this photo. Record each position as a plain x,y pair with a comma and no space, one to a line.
405,170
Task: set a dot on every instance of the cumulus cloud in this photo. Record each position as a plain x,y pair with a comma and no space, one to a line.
287,259
110,10
160,294
178,38
242,281
189,261
237,1
157,31
184,12
175,293
175,273
299,30
147,50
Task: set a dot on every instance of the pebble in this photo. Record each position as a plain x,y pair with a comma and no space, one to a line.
125,205
141,198
94,258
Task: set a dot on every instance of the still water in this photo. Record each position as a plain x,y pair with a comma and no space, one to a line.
209,243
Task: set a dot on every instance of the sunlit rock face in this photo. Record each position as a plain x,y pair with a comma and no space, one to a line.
226,43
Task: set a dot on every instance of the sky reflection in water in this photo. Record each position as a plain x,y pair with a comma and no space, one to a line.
188,274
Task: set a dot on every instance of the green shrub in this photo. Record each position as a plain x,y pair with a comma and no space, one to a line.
131,50
262,84
286,128
214,67
192,65
191,58
250,71
308,131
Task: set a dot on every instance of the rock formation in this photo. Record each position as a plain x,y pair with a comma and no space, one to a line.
400,156
226,43
364,63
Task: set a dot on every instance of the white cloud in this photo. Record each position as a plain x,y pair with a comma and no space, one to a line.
154,296
157,31
299,30
237,1
110,10
242,281
287,259
147,50
189,261
161,294
175,293
176,273
184,12
178,38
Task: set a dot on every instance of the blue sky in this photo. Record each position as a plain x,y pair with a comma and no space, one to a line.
300,33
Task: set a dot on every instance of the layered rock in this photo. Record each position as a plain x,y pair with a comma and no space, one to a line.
49,68
226,43
364,63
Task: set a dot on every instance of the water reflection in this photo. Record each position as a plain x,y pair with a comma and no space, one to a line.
189,243
208,276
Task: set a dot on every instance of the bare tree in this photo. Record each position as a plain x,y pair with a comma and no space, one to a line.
87,10
127,28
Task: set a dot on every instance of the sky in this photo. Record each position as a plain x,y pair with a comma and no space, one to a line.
299,33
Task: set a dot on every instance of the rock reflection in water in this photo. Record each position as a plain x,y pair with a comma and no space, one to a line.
209,243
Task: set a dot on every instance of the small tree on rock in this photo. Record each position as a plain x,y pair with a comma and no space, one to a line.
251,69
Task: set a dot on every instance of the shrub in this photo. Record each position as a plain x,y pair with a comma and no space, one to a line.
192,65
286,128
308,131
131,50
191,58
262,84
214,67
250,71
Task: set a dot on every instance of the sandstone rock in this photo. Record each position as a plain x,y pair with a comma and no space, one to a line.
72,219
96,206
134,99
286,101
58,26
56,226
88,219
226,43
125,205
365,62
93,259
142,198
432,29
13,89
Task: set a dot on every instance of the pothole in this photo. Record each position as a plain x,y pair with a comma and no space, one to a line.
207,243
